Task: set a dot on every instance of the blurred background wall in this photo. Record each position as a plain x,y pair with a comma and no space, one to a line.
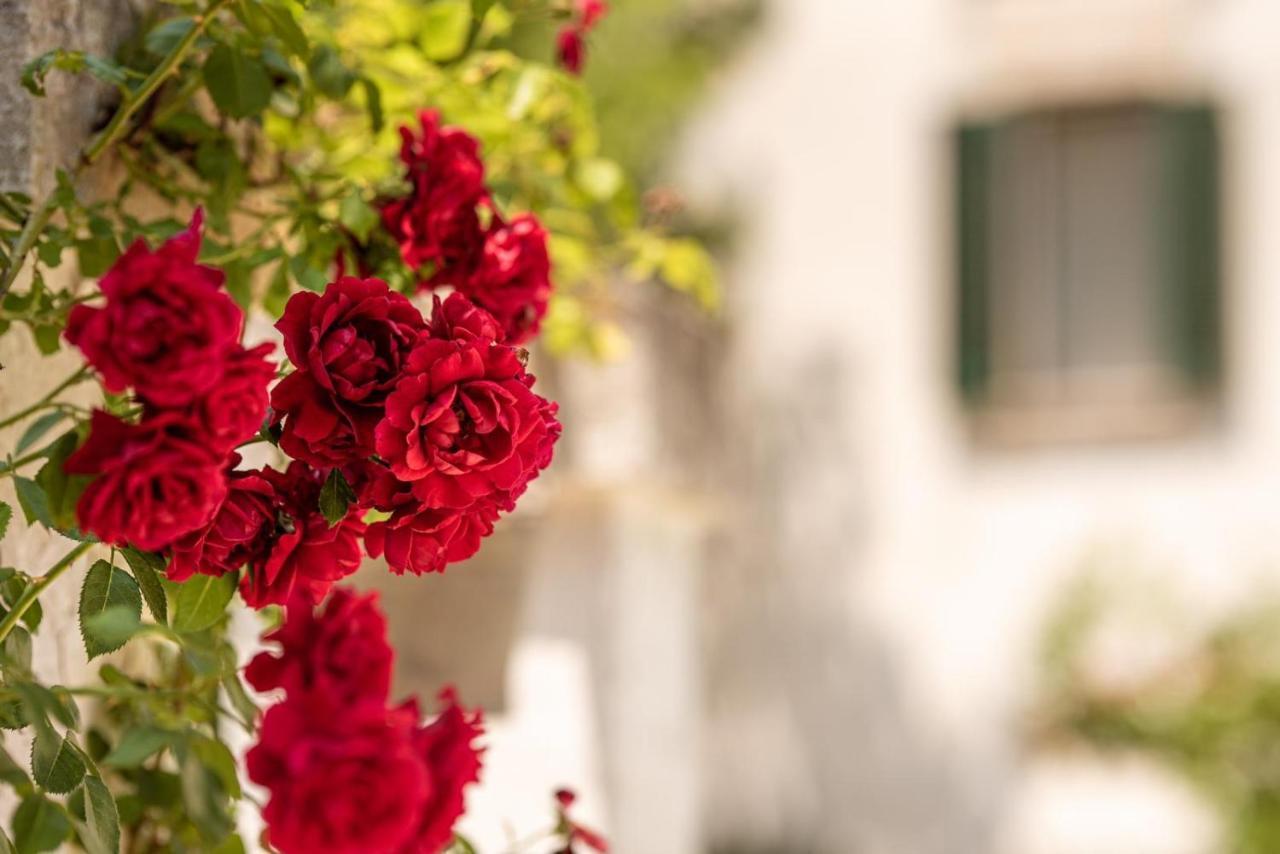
1001,303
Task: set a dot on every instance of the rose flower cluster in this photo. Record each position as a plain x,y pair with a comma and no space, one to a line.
171,334
451,233
346,772
571,41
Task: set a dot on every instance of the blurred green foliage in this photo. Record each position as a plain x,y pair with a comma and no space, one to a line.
1212,714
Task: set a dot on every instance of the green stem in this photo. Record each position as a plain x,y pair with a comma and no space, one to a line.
33,591
78,376
9,469
111,134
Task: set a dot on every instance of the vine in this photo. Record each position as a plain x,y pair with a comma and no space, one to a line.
413,200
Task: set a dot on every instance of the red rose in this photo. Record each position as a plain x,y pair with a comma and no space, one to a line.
447,747
592,11
463,423
419,540
513,279
155,481
167,326
242,530
437,225
345,780
232,411
305,555
571,49
340,651
347,345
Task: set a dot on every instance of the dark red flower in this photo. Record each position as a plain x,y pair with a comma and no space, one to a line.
242,530
232,411
463,424
154,481
348,346
571,48
513,279
447,748
305,555
591,11
339,651
437,225
167,326
571,830
349,781
420,540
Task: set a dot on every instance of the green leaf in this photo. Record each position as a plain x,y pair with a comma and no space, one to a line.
240,699
480,8
14,774
373,103
446,27
6,515
61,490
32,500
328,72
55,763
286,29
238,83
6,846
358,215
38,428
138,744
201,601
39,825
215,756
147,569
17,649
102,817
114,627
205,802
165,35
336,496
96,255
106,587
73,62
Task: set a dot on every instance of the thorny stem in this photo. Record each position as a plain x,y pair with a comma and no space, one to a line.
111,134
78,376
33,591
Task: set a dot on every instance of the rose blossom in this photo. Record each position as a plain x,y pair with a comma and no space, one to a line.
348,346
167,326
513,279
232,411
240,531
571,49
437,225
154,481
463,424
447,748
343,779
303,556
422,540
340,650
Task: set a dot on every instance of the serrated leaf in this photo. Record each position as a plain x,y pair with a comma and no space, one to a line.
215,756
32,500
201,601
6,515
165,35
240,699
286,29
38,428
17,649
62,490
56,766
238,83
39,825
106,587
147,569
336,497
102,818
114,627
138,744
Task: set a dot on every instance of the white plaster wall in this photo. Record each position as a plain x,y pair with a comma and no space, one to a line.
830,144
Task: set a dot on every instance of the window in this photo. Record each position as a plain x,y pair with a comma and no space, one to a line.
1088,270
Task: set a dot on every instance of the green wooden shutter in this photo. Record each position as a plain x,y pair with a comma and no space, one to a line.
1191,230
973,212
